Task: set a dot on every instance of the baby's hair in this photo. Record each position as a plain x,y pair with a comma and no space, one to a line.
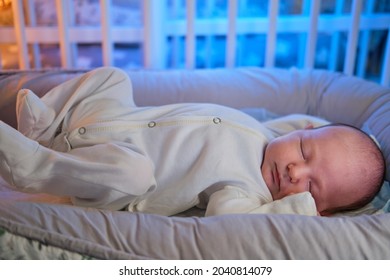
374,157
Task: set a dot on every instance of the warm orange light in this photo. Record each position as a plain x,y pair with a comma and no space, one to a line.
5,3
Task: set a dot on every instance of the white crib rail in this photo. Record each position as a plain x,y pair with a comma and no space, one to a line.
352,37
20,34
273,8
312,34
231,34
152,35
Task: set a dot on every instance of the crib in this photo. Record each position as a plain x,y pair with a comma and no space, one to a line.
159,27
41,226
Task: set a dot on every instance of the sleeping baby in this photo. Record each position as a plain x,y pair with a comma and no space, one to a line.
87,139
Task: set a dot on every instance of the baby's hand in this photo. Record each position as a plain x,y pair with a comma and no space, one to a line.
292,193
300,203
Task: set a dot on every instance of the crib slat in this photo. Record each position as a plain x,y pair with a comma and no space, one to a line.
107,44
385,79
273,10
175,8
209,57
335,43
190,35
32,21
20,34
73,43
302,41
311,41
241,38
154,33
364,43
231,41
63,31
353,38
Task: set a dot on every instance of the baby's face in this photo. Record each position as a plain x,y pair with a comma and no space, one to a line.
319,161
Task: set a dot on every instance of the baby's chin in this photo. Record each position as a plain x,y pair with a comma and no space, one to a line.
267,177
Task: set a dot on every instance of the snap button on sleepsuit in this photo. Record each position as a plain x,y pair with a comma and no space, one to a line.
217,120
82,130
151,124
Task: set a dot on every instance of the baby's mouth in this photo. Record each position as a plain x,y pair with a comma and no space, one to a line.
275,175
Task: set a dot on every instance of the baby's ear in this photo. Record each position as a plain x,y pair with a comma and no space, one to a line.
309,126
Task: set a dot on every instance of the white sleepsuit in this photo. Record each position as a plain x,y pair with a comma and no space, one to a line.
88,140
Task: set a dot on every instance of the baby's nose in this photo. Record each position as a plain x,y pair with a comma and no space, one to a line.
297,172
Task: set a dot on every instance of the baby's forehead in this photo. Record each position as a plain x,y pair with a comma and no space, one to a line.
342,138
336,138
338,131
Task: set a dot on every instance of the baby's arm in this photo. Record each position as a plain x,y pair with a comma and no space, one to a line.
231,200
104,176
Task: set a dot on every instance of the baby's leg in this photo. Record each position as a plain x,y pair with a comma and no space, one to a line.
97,95
9,92
105,176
